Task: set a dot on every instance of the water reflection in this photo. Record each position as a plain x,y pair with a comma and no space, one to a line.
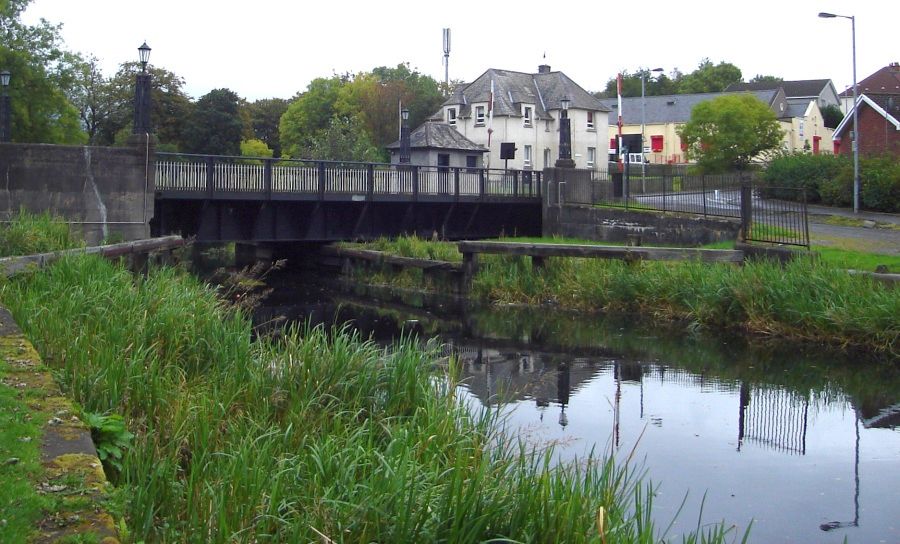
806,444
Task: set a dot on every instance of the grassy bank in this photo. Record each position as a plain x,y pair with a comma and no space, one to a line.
316,436
806,299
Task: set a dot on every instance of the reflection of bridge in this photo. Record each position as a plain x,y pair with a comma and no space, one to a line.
273,200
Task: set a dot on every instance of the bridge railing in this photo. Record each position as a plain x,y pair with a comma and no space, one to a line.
216,174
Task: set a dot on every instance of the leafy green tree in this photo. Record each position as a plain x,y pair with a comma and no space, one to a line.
729,131
215,126
710,78
832,116
255,148
309,114
654,85
344,139
759,78
265,115
42,75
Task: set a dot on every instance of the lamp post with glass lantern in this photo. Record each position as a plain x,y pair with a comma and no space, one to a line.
142,101
855,134
404,136
565,135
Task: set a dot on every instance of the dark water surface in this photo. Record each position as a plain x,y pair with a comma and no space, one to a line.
806,444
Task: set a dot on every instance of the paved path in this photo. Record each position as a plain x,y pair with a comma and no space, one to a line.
879,238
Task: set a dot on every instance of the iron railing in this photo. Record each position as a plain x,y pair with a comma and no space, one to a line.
768,214
224,174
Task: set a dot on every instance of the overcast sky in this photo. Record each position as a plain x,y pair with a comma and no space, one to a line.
271,48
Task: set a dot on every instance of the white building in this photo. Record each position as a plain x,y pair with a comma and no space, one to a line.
526,112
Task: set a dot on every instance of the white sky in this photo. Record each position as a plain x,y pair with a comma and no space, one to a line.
272,48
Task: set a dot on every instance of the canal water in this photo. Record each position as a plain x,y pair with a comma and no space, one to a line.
806,445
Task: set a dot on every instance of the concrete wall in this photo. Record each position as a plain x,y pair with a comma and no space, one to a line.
105,192
619,225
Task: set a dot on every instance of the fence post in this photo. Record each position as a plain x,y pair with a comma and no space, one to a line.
210,177
805,216
267,178
415,182
456,182
481,183
321,169
703,188
370,180
746,210
516,183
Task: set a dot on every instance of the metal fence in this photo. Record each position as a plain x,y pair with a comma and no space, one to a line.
768,214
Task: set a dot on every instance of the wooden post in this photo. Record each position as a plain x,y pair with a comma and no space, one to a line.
470,268
267,178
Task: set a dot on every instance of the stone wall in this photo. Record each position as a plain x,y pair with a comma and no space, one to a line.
105,192
615,225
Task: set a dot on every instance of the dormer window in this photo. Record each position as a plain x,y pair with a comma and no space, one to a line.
479,115
451,116
528,115
590,120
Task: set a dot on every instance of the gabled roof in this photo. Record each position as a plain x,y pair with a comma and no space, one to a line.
884,81
801,88
511,89
433,135
672,108
798,107
886,105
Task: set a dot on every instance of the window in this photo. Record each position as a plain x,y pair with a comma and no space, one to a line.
546,157
471,161
451,116
592,156
801,128
590,120
479,115
528,115
527,157
656,143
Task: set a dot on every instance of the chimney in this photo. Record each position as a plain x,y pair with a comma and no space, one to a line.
895,67
544,69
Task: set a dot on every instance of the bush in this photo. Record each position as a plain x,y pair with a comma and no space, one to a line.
802,170
880,189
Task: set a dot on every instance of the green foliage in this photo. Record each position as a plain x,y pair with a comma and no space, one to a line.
344,139
255,148
111,438
832,115
710,78
27,234
264,116
759,78
729,131
796,170
308,115
215,126
880,183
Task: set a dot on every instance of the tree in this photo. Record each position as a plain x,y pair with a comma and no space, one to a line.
832,116
758,78
215,126
729,131
255,148
265,115
710,78
654,85
309,114
42,76
344,139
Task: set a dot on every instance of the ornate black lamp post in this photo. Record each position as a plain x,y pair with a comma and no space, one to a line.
5,108
404,136
565,136
142,102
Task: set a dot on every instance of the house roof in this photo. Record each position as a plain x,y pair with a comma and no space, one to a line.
884,81
434,135
792,89
886,105
672,108
797,107
511,89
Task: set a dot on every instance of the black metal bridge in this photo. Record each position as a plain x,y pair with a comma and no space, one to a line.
217,199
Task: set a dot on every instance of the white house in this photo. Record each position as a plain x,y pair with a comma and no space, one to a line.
524,109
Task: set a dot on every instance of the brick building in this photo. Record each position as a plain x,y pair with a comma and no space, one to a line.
879,122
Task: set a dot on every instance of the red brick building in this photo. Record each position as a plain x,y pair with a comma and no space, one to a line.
879,122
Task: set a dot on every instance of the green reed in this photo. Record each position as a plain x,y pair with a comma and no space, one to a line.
317,435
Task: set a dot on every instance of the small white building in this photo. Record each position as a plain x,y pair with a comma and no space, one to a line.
525,111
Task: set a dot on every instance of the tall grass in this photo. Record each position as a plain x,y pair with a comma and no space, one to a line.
316,436
28,233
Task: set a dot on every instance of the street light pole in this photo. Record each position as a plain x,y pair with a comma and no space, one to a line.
5,109
855,133
404,136
565,135
142,101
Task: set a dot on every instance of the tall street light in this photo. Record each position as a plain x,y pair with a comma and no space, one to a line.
643,123
565,135
855,134
5,108
404,136
142,102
